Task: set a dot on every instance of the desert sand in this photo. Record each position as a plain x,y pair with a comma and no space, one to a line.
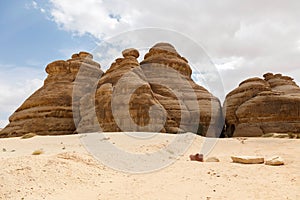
66,170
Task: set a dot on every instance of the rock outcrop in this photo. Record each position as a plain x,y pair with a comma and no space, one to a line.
123,99
260,106
190,107
49,111
156,95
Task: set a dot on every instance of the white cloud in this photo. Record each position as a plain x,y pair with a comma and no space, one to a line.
16,84
229,63
243,38
34,4
247,37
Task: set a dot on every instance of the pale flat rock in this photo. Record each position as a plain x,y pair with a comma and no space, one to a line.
212,159
248,159
274,161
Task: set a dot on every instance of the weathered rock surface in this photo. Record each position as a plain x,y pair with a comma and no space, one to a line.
123,99
247,159
156,95
260,106
169,75
48,111
274,161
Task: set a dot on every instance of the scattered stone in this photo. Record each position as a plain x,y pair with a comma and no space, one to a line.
28,135
242,139
268,135
281,135
247,159
105,138
212,159
197,157
38,152
4,150
294,135
274,161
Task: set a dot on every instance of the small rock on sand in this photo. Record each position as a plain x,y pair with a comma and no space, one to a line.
212,159
197,157
281,135
274,161
247,159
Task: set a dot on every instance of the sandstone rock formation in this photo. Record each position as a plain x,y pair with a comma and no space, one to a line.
169,75
48,111
156,95
260,106
122,100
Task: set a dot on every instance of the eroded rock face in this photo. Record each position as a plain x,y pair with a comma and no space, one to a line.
123,99
190,107
156,95
48,111
261,106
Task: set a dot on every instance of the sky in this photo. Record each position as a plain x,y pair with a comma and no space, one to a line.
242,39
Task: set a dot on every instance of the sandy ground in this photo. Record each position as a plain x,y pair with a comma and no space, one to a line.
66,170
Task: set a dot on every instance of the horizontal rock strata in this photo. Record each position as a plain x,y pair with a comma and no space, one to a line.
262,106
48,111
155,95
